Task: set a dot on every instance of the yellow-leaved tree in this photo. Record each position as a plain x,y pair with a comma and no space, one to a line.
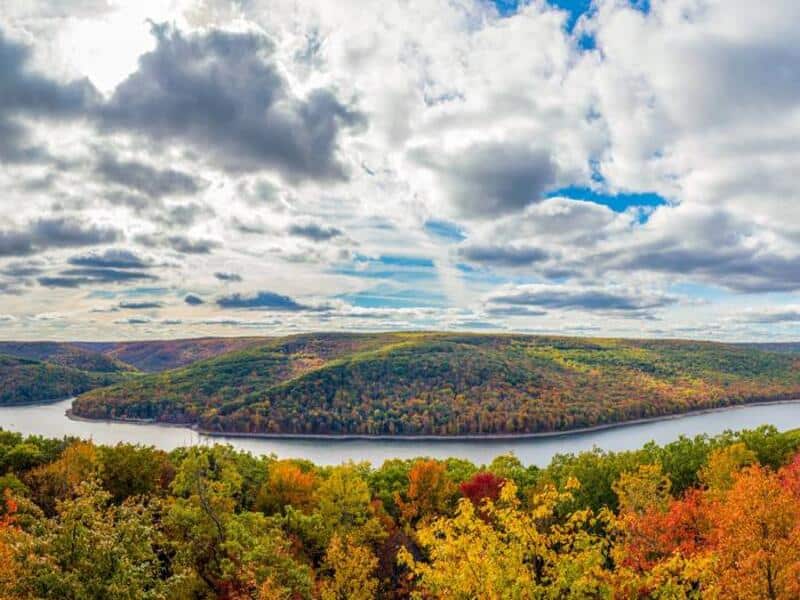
505,551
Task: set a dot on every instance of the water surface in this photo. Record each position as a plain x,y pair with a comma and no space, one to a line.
50,420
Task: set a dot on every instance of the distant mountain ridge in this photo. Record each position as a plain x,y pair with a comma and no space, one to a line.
47,370
446,384
159,355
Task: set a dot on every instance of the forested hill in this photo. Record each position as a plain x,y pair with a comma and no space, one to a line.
447,384
64,354
159,355
24,380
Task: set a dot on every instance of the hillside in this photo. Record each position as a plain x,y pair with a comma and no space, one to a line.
447,384
159,355
65,354
24,380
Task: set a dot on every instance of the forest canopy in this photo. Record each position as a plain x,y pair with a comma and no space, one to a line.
446,384
697,518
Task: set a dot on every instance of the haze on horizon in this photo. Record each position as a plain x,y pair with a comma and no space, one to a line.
209,167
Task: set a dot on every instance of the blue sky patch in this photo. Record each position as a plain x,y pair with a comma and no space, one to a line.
406,269
444,230
616,202
386,296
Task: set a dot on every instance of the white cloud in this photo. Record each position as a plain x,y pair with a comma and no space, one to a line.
471,118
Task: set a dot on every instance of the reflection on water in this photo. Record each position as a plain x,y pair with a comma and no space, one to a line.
49,420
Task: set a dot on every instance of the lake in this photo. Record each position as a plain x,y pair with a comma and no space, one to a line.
50,420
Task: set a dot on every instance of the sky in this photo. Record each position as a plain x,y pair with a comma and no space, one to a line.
177,168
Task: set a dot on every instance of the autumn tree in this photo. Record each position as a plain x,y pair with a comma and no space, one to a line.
642,490
218,550
515,554
757,548
91,549
429,492
351,571
723,464
482,486
58,480
286,485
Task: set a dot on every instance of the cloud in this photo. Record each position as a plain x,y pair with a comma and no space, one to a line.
225,276
63,282
222,94
786,314
503,256
585,298
147,180
184,215
314,231
54,232
77,277
261,300
179,243
193,300
134,321
134,305
114,258
25,94
711,245
514,311
20,269
191,246
491,179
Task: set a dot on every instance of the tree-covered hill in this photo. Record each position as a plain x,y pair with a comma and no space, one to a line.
160,355
447,384
24,380
65,354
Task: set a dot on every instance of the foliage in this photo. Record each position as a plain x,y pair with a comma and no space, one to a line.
446,384
123,522
27,381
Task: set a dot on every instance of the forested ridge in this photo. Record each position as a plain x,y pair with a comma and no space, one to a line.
64,354
447,384
701,518
24,380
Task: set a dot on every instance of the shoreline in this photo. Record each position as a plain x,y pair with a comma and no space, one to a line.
36,402
486,437
73,417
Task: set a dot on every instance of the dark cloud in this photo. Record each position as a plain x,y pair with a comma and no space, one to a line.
187,245
134,305
222,276
63,282
261,300
24,93
78,277
545,296
789,315
179,243
147,180
514,311
184,215
134,321
112,258
248,228
502,256
221,93
314,231
58,232
193,300
23,269
489,179
710,245
65,232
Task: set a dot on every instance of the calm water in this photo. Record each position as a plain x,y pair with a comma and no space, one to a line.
49,420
